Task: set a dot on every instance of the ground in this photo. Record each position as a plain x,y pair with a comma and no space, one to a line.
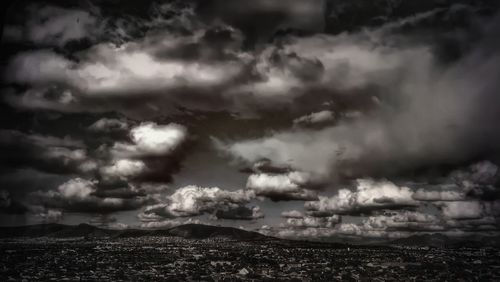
177,259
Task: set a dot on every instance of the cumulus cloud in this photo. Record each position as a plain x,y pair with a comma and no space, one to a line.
154,153
389,225
80,195
313,222
403,221
151,139
281,187
113,73
368,195
193,201
123,169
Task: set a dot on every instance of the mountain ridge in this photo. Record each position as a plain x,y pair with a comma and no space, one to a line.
188,231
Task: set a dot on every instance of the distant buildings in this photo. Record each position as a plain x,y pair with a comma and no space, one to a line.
178,259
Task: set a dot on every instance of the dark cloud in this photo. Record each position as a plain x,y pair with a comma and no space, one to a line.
46,153
9,205
54,26
273,16
108,125
240,213
393,136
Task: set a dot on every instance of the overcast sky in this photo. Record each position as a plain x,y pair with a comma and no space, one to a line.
301,119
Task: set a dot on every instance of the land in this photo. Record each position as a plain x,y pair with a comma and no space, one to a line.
201,253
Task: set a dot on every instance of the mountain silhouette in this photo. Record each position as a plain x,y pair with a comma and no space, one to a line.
188,231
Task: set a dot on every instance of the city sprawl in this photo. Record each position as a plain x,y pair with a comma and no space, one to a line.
219,259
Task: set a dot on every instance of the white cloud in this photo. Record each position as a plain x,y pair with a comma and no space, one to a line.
314,118
290,186
403,220
82,195
107,70
193,201
151,139
77,188
369,195
390,225
309,221
123,169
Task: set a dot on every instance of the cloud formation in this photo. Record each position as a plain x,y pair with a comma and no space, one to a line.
368,195
281,187
81,195
191,201
151,139
43,152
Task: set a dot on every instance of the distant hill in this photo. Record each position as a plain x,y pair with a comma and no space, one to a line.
189,231
431,240
199,231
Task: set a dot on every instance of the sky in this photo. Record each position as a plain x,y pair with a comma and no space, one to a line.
297,119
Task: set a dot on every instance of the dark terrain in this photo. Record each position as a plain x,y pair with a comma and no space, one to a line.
196,252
